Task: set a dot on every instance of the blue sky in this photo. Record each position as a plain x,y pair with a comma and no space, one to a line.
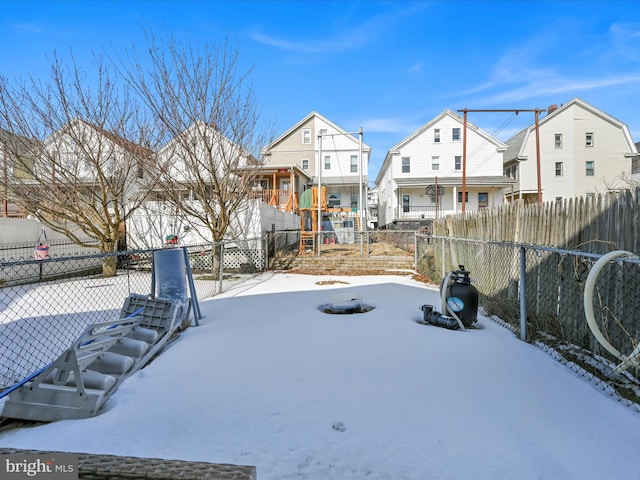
386,66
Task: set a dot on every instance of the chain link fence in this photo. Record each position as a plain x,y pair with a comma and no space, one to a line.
15,252
46,304
283,245
539,293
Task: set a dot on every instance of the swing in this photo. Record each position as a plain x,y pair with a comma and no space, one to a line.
41,251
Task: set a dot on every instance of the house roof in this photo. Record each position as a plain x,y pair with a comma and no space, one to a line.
250,159
306,119
125,144
267,169
17,142
516,143
446,113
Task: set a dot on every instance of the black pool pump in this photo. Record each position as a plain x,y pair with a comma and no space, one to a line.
436,318
459,302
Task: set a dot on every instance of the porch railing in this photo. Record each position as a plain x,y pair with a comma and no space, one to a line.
12,210
419,212
284,199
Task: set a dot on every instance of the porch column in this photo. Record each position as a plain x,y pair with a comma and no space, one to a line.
455,199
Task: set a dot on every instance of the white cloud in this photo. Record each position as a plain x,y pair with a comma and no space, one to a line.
556,85
28,28
351,37
415,68
626,40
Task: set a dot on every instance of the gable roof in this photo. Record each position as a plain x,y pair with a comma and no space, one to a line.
306,119
18,143
250,160
127,145
517,141
446,113
453,115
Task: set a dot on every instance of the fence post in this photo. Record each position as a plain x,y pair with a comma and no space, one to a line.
523,294
266,245
221,261
443,259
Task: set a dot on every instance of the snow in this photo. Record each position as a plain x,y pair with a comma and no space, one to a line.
269,380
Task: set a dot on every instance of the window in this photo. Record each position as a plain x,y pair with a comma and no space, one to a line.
406,164
305,164
558,140
435,163
334,200
455,134
354,199
306,136
354,163
405,203
436,135
466,197
483,199
457,160
327,162
558,169
588,139
591,168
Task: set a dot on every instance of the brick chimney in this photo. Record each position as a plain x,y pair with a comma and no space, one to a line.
551,109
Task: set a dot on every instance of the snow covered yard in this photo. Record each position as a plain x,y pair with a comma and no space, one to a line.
269,380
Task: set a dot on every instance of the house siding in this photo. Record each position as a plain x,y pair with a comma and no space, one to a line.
609,154
484,160
337,144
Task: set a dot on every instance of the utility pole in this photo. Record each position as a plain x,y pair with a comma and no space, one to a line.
319,232
537,111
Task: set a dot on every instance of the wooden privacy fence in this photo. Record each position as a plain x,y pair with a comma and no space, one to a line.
596,224
539,257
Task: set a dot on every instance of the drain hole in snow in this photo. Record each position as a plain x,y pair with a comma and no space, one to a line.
344,304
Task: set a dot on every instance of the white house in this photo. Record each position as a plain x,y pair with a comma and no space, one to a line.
422,176
333,157
583,151
189,159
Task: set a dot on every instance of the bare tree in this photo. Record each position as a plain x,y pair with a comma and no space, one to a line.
79,166
209,117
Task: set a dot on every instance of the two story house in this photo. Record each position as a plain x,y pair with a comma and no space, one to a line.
208,188
583,151
316,151
421,177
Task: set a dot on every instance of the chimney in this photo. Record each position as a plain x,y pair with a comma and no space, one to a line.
551,109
